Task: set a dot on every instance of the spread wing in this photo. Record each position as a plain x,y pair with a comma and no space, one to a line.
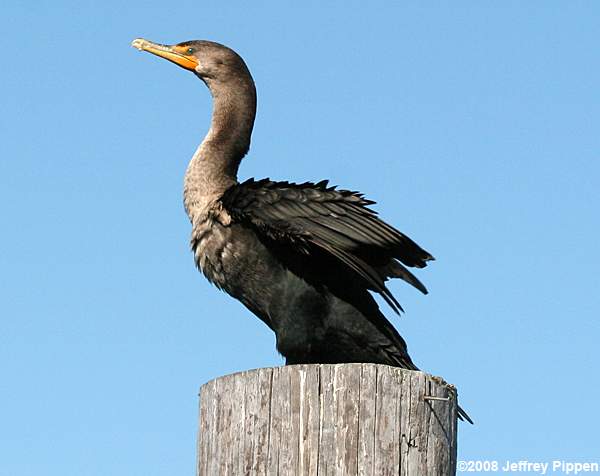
315,220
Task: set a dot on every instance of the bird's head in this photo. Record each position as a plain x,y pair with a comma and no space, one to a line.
210,61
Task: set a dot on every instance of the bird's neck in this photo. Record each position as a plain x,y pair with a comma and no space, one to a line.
213,168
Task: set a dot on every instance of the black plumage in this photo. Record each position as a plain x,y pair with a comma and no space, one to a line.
316,220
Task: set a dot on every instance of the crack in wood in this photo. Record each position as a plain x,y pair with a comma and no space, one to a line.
322,420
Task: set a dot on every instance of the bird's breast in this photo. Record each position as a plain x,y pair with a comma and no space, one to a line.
230,256
214,250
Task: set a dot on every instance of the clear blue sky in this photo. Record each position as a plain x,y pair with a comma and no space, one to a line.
474,127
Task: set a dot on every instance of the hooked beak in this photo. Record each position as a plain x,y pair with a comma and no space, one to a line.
176,54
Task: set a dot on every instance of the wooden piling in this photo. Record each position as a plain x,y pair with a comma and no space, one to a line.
346,419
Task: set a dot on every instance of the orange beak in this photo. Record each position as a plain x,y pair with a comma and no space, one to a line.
176,54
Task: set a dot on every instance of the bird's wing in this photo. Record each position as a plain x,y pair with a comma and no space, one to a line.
315,219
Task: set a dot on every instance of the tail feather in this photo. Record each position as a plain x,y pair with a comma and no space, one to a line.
463,416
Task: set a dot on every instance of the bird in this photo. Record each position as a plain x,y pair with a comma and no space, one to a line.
305,258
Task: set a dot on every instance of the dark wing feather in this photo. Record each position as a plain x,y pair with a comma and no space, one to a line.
311,217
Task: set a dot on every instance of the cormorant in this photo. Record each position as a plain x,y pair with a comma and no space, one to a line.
301,257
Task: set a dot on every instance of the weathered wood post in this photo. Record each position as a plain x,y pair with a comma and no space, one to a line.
348,419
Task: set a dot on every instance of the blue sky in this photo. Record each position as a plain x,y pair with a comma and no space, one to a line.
473,125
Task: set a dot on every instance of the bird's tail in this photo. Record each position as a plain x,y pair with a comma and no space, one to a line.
463,416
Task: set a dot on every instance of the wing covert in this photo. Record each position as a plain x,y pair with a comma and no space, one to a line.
311,217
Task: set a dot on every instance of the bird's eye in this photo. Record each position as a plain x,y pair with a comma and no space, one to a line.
190,51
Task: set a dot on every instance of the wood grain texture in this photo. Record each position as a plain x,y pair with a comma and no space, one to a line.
322,420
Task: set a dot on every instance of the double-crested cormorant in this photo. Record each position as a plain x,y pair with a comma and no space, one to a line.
302,257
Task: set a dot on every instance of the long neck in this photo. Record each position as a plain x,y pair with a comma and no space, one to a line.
214,166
